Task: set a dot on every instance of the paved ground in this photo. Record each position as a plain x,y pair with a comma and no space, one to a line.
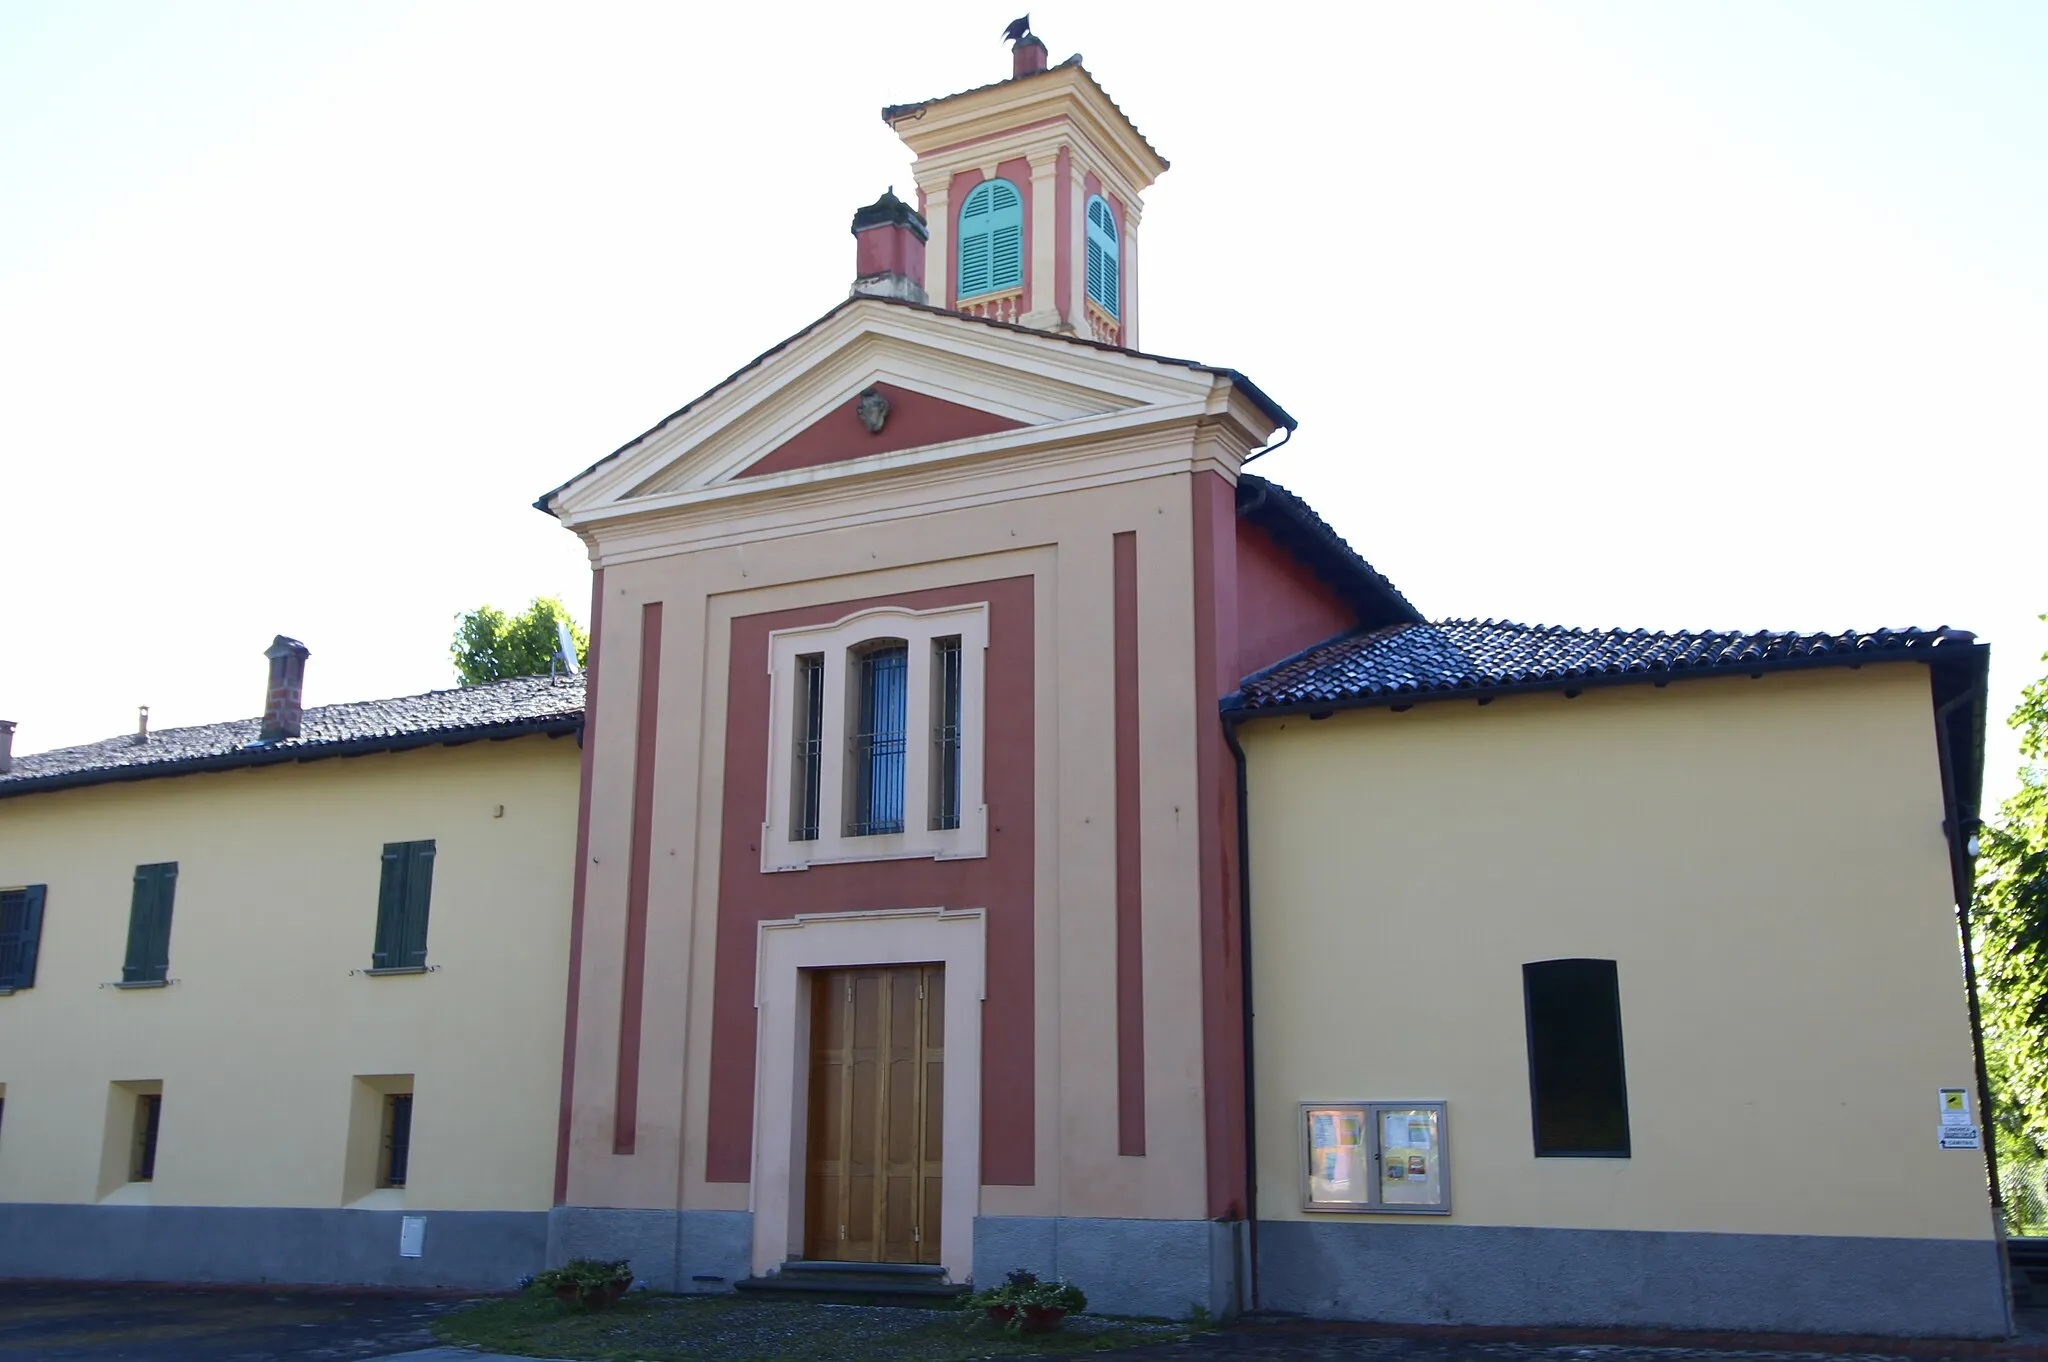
67,1323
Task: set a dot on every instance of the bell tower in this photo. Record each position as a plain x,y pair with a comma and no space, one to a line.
1032,188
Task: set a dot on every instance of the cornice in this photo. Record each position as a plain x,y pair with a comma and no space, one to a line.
759,402
882,496
942,125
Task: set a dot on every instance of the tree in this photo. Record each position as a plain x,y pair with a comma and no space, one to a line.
491,645
2010,915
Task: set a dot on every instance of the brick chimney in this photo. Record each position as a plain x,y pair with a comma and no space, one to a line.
6,746
1027,58
888,250
283,700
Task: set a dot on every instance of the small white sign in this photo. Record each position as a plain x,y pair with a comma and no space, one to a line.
412,1235
1955,1107
1960,1137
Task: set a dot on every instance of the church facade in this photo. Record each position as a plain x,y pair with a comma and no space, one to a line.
1016,834
1011,832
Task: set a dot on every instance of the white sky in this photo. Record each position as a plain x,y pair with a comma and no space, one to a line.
1684,315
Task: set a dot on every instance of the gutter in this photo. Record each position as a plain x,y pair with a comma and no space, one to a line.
1249,1293
274,756
1660,677
1958,832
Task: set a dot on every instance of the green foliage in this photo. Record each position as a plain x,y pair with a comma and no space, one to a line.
2010,915
1020,1292
491,645
589,1282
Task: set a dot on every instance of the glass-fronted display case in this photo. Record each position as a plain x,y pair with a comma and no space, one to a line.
1387,1157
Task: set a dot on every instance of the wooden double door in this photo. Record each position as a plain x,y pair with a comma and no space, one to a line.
873,1156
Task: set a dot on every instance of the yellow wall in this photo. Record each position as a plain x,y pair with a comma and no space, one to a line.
1764,860
258,1042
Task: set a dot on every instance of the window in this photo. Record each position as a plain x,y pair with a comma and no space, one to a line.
402,907
875,746
1578,1096
149,1110
1104,260
991,239
879,740
808,728
149,924
396,1149
21,933
945,783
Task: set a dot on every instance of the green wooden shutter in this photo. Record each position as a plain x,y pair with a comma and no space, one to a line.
419,888
390,907
991,239
21,926
31,936
1103,257
149,924
974,242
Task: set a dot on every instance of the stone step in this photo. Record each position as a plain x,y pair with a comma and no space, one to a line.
856,1284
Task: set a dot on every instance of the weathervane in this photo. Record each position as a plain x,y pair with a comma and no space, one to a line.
1018,31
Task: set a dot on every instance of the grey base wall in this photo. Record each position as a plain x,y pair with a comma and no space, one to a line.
671,1250
1474,1274
1126,1267
268,1244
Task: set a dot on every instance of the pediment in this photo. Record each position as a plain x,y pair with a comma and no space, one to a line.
957,388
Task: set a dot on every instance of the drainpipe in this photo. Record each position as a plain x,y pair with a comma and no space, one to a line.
1244,956
1960,877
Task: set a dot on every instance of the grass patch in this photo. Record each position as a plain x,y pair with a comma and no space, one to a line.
649,1328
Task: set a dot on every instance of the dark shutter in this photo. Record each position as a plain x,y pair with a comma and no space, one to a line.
419,888
1578,1091
402,898
21,932
149,924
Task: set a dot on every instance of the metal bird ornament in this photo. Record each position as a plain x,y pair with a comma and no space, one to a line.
1018,31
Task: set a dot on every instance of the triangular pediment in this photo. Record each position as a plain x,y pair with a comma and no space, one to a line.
957,389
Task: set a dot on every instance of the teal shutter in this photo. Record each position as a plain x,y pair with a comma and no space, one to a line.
1104,259
402,896
991,239
390,907
149,924
419,888
21,933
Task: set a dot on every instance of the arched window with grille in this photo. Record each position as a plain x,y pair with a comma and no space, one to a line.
991,239
1104,285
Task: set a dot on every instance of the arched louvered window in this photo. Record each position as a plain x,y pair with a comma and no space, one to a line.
991,239
1104,285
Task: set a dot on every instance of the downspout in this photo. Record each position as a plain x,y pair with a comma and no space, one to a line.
1960,878
1244,956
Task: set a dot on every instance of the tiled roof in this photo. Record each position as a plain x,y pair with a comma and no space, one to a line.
1295,523
497,709
1426,660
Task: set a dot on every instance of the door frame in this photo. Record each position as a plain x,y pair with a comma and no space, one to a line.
955,938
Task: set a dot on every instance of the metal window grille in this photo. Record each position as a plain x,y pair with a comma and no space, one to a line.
808,748
149,1110
879,742
397,1138
945,784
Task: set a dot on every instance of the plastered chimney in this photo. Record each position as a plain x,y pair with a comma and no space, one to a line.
1027,58
888,250
284,698
6,746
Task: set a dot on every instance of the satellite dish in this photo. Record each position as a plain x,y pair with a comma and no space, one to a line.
565,648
